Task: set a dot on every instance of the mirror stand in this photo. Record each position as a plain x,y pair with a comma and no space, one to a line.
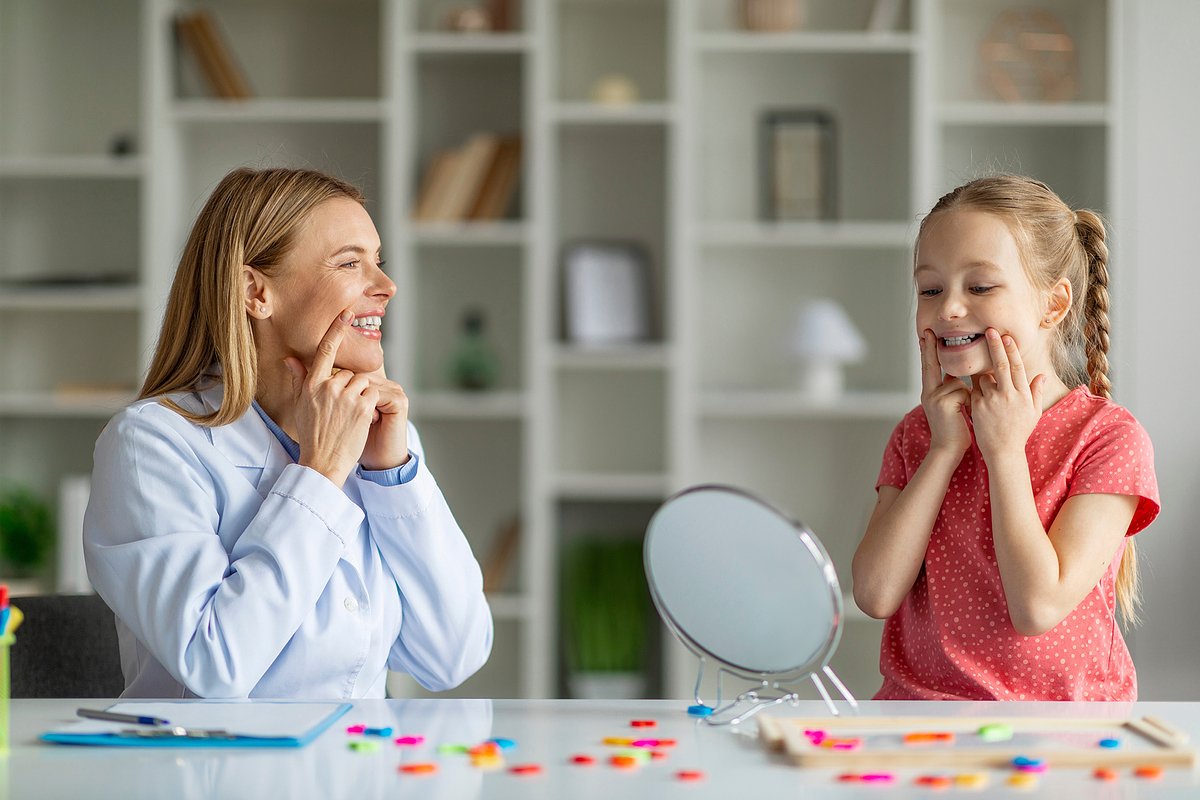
770,694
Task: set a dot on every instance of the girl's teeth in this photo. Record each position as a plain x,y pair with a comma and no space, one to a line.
954,341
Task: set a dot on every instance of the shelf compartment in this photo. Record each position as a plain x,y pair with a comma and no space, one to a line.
80,353
305,38
479,468
612,187
39,452
603,520
964,24
863,93
610,423
62,51
818,18
70,230
450,282
349,151
1069,159
595,40
756,293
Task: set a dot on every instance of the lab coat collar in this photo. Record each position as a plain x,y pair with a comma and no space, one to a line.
247,441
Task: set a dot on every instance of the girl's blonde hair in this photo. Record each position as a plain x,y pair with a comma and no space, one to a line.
251,219
1057,242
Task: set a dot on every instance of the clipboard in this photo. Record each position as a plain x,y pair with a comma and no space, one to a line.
206,723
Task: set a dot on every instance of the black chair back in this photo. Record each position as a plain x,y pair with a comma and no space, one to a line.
66,647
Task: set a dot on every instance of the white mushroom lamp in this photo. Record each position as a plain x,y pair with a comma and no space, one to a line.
823,339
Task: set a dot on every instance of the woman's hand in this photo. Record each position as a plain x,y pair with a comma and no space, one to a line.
945,399
1005,405
334,408
387,441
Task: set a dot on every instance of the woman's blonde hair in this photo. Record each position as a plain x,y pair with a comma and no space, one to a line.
1058,242
251,219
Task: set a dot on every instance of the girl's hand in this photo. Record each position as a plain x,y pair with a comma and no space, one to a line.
945,399
334,408
1006,405
387,441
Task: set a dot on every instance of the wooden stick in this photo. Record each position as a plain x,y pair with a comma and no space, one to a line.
820,757
1180,737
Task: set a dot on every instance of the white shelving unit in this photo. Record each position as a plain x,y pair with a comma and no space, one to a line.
572,440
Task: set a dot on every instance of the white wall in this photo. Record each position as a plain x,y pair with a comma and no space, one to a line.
1157,374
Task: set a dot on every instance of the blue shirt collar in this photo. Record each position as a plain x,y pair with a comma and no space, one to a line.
289,444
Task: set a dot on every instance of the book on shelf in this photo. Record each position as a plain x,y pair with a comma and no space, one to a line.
432,194
474,182
500,182
198,33
468,175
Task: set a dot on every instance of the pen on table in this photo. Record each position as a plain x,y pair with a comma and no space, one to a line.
112,716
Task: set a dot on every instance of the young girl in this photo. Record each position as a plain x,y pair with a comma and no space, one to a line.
999,549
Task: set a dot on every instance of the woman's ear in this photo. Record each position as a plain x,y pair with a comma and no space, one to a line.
258,304
1058,303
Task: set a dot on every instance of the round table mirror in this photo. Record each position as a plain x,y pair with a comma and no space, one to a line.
740,583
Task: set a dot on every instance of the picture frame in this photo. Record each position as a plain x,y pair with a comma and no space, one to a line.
798,173
606,292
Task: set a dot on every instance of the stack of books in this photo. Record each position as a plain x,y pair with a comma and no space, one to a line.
474,182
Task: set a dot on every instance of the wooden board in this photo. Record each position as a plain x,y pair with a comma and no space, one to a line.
1059,742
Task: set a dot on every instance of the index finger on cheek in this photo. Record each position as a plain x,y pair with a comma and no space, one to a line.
328,347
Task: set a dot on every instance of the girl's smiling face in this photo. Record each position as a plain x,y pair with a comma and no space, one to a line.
969,277
335,265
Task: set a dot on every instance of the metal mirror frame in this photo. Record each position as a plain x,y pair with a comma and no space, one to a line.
774,684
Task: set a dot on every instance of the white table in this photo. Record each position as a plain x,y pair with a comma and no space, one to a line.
547,732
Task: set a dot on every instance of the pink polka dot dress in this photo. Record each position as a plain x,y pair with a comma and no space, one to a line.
952,638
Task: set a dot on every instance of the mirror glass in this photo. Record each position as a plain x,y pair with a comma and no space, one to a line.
739,582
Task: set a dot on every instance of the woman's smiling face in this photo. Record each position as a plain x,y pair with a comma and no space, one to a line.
335,265
969,277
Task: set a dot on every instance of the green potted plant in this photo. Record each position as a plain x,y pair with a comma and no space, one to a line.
605,605
26,532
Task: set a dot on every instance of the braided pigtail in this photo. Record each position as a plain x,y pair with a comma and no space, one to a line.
1090,230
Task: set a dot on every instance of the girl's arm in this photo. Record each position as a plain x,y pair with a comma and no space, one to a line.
892,550
1045,576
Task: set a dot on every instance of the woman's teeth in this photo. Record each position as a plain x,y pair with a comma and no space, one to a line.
954,341
370,323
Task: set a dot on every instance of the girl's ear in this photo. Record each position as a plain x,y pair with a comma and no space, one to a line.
258,304
1058,303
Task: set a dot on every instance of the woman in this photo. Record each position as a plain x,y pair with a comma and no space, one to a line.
262,521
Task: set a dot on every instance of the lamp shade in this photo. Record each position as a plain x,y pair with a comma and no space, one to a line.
824,332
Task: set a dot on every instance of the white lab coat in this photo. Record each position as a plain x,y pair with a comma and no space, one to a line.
234,572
